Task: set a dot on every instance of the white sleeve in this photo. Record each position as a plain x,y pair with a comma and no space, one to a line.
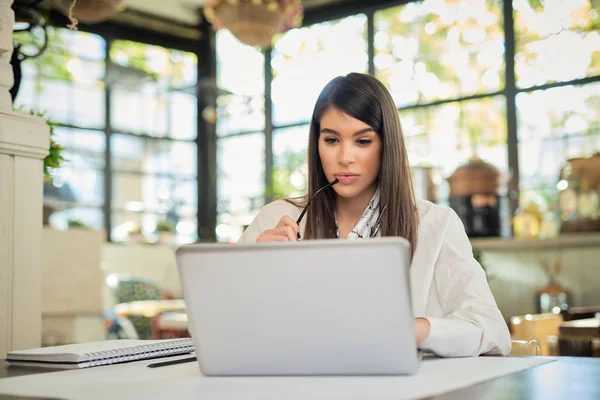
253,231
472,324
268,217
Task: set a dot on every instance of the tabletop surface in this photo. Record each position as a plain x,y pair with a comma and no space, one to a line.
567,377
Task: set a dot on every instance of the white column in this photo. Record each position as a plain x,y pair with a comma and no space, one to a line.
7,19
24,142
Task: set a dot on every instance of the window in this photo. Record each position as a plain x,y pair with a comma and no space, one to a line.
557,44
154,156
433,56
444,64
555,125
443,137
290,170
66,84
427,51
556,41
241,137
305,59
302,62
152,126
241,176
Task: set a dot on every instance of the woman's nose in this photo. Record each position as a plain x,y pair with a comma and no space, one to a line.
346,155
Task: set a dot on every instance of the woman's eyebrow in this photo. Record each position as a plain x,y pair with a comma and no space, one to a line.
333,131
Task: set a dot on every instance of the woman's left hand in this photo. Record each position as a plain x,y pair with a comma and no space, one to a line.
422,327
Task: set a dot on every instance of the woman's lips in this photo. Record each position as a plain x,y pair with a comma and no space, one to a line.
347,179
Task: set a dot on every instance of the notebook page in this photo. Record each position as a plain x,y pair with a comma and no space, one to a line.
101,349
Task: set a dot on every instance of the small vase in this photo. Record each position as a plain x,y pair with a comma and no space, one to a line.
164,238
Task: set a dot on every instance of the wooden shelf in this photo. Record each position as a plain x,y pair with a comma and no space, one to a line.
567,241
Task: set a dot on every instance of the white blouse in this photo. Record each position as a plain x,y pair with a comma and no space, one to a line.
448,285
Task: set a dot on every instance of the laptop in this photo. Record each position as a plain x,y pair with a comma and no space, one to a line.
313,307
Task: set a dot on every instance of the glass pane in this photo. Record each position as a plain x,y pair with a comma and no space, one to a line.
83,148
240,114
65,81
55,99
183,116
82,44
71,56
426,51
125,223
231,55
241,175
447,136
88,107
131,153
305,59
240,104
290,168
92,218
72,184
138,63
139,112
28,93
559,112
556,40
86,72
139,193
555,125
184,69
64,102
151,90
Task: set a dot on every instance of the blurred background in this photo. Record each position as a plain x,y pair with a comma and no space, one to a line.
179,119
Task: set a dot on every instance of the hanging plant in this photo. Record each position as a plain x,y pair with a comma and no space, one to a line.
89,11
55,158
254,22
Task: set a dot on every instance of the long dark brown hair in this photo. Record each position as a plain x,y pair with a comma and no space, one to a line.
365,98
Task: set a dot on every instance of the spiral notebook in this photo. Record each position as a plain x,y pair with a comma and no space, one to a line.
94,354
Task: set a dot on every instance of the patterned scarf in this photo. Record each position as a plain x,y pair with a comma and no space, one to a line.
368,224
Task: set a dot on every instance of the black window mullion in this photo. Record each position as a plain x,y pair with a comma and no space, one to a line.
107,155
511,108
207,135
371,41
268,128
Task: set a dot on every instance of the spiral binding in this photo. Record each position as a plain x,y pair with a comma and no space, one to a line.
139,352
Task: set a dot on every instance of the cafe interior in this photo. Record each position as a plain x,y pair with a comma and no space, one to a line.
173,122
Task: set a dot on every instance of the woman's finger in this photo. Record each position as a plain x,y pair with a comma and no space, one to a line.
286,231
271,236
287,221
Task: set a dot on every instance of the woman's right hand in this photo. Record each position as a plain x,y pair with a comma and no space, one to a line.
287,230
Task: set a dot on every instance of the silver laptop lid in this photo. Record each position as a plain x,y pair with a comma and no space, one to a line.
305,308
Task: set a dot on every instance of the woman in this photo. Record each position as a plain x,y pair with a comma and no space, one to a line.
355,137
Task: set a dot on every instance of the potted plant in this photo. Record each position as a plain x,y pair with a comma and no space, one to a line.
165,229
77,224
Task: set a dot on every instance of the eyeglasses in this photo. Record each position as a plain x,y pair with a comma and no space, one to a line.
311,199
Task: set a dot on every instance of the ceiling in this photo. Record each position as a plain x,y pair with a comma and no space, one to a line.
185,11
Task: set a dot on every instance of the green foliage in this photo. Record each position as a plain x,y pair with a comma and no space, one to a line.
433,34
55,158
291,163
136,56
77,223
537,5
52,63
165,225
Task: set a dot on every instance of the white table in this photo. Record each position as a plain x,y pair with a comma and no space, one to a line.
465,377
